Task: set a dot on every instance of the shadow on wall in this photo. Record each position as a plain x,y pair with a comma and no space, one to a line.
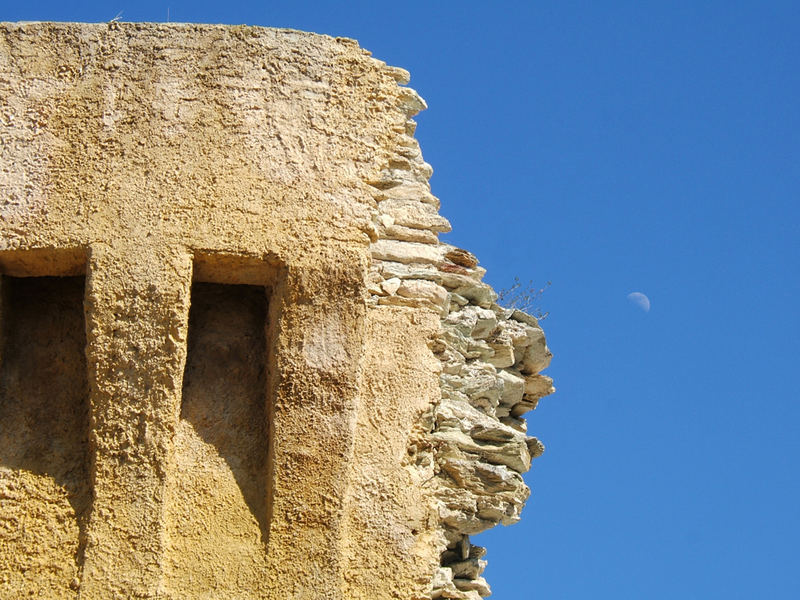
224,385
217,514
45,492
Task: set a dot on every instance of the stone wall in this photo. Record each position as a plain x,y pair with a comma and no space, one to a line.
263,376
472,441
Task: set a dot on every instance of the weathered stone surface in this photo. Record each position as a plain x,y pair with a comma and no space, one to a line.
452,362
146,156
537,356
535,447
390,286
462,257
458,300
479,293
414,214
517,333
475,432
405,252
483,477
479,585
407,271
442,583
485,324
513,388
520,409
503,508
395,177
426,290
463,321
502,355
515,422
462,551
495,349
409,190
294,169
538,386
454,277
468,569
411,102
480,350
399,74
417,303
407,234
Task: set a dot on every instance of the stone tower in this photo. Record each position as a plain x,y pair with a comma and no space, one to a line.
235,359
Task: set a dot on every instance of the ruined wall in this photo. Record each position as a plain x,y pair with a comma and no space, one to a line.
470,446
235,359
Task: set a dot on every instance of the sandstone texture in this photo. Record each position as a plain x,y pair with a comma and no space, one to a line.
235,359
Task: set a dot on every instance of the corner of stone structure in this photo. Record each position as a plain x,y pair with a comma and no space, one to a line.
471,444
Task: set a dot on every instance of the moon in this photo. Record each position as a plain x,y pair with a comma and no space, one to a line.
640,300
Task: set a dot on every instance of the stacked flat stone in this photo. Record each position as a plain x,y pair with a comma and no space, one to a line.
474,443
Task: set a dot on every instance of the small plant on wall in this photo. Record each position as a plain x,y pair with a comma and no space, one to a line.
524,296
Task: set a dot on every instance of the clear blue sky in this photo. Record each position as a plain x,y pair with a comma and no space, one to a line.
613,147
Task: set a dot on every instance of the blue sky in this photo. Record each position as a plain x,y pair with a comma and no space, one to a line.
612,147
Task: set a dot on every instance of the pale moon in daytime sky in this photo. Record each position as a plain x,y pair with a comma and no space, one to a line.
640,300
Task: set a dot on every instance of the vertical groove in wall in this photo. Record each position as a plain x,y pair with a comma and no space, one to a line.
216,509
45,493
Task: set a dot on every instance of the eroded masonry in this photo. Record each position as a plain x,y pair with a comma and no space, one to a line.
235,359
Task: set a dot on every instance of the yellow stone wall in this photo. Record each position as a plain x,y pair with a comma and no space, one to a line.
216,378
